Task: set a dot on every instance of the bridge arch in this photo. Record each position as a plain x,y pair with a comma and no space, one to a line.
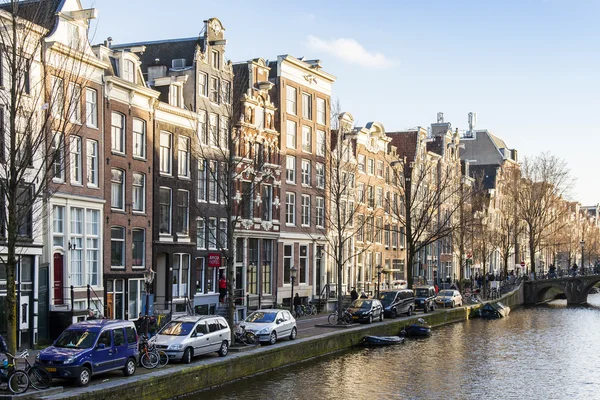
576,288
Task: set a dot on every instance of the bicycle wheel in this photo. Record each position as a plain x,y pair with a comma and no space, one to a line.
39,378
313,309
163,359
149,360
18,382
332,319
348,318
250,338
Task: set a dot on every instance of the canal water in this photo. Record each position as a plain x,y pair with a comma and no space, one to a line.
543,352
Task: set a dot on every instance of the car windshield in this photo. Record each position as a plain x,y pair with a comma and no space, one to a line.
261,317
362,304
387,296
422,292
177,328
446,293
76,339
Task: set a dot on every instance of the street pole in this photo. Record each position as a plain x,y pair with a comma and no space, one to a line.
293,271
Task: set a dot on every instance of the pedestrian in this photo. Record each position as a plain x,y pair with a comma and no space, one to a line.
297,304
222,288
363,295
437,289
91,315
353,294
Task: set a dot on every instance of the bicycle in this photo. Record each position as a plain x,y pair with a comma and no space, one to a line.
242,336
346,318
16,380
152,357
39,378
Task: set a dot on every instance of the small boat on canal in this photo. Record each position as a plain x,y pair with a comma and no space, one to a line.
494,311
420,329
381,340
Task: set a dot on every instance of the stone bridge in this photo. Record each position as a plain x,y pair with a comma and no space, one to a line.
576,288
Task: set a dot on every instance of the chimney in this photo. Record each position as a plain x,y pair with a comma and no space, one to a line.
108,42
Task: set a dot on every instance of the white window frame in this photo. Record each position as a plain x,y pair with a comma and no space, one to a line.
291,94
117,142
290,169
92,163
321,143
320,212
138,186
200,234
290,208
143,264
170,211
128,70
59,157
76,161
183,157
306,139
306,173
165,155
91,108
184,217
321,112
202,84
305,215
307,110
75,103
320,175
58,226
212,234
139,138
119,240
113,184
291,134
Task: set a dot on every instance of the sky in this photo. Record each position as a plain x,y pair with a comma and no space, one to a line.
529,69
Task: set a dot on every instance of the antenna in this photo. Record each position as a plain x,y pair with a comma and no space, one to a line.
472,123
440,117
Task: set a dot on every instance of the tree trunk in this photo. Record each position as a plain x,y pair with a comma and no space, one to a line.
340,270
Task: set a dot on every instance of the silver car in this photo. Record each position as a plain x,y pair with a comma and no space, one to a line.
186,337
270,325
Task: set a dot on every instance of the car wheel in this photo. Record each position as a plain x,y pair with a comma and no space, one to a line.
432,307
187,355
224,349
409,312
394,313
129,367
371,318
294,333
452,304
273,337
83,379
381,316
425,308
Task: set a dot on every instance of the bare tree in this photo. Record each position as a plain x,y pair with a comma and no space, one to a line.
545,184
509,226
41,109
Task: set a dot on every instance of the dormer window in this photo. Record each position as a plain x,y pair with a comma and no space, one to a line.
215,59
175,95
178,63
128,71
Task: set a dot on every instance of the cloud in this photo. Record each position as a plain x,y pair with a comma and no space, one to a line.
350,51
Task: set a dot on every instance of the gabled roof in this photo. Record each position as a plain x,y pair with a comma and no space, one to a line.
484,148
40,12
166,51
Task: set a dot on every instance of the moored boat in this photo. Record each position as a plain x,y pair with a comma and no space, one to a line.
382,340
494,311
420,329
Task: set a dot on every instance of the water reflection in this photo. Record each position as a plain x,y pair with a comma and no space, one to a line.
545,352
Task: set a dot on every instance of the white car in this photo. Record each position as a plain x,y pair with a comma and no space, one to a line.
449,298
270,325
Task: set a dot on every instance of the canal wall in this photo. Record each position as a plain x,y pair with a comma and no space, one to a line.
186,379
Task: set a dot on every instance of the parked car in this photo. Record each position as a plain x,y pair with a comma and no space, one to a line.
366,310
397,302
92,347
270,325
185,337
449,298
425,298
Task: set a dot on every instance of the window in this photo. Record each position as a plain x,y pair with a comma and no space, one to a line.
370,197
76,167
386,236
202,132
129,71
214,89
92,163
226,89
202,180
58,89
306,172
117,183
380,169
320,212
91,108
306,139
395,236
202,82
58,226
361,163
360,231
290,99
267,203
165,153
320,175
117,247
247,200
370,166
76,246
139,138
360,192
181,274
200,234
213,173
223,234
291,135
215,59
75,103
321,111
213,134
306,210
288,256
92,256
183,159
290,172
290,208
321,143
175,95
164,217
212,233
183,212
306,106
378,229
139,192
224,132
138,239
266,265
58,159
118,132
379,197
303,270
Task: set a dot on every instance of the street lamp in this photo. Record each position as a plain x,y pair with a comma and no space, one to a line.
379,268
148,278
293,271
582,264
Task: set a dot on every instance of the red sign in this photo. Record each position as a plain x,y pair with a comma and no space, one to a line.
214,260
522,263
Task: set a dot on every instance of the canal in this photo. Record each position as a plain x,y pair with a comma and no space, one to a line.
543,352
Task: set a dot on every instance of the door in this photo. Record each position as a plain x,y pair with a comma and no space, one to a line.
201,338
120,348
58,283
214,335
284,328
103,358
43,304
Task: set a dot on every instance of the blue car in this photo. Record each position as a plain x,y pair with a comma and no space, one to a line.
92,347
